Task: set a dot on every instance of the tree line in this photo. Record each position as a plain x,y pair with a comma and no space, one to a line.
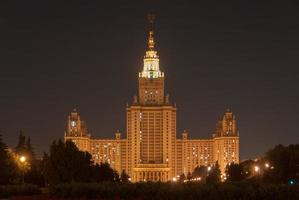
63,164
66,164
279,165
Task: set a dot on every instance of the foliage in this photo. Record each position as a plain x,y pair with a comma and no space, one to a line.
25,148
182,178
247,166
35,175
189,176
4,163
17,190
66,164
174,191
9,169
235,172
285,162
124,177
214,175
20,149
200,171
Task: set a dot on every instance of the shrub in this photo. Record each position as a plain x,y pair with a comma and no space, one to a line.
174,191
18,190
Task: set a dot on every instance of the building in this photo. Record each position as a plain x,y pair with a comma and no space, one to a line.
151,151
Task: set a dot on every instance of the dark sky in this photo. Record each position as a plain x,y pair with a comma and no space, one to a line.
57,54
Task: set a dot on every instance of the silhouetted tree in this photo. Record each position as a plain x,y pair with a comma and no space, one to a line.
4,163
234,172
200,171
106,172
35,174
8,165
66,163
29,149
124,177
182,178
214,175
284,162
189,176
21,146
116,177
247,167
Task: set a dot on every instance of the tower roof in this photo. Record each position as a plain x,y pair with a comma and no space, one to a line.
151,59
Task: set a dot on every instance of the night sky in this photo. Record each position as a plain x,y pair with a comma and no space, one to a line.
56,55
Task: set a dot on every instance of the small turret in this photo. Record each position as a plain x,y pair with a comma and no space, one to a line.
75,126
227,125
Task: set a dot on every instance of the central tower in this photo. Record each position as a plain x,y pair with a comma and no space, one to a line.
151,123
151,79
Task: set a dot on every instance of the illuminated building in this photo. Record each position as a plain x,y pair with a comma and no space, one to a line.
151,151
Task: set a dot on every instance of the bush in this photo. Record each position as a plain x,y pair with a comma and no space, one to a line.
174,191
18,190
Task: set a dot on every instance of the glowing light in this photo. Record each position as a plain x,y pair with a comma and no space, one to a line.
22,159
209,168
267,165
292,182
256,168
272,167
174,179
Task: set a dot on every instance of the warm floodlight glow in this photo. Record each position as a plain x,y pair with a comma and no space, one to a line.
209,168
267,165
256,168
22,159
174,179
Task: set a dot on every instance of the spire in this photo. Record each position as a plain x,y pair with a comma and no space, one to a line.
151,58
151,43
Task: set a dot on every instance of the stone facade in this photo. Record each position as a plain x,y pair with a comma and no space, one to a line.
151,150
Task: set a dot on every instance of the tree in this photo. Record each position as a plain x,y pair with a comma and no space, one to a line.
124,177
182,178
235,172
4,163
214,175
66,163
21,146
29,150
247,166
284,161
189,176
200,171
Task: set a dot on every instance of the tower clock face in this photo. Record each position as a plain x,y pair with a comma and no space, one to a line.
73,124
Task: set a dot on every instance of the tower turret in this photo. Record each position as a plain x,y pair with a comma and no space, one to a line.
77,132
151,79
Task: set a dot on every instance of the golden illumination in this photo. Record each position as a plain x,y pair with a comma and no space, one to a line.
151,58
22,159
150,150
256,168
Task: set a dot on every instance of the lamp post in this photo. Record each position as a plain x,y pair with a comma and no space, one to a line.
22,161
209,168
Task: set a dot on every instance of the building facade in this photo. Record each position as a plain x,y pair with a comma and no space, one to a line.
151,150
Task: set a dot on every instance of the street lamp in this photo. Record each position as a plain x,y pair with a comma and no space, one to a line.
256,168
23,160
209,168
